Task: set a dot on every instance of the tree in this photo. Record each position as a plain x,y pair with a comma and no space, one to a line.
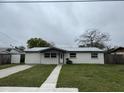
37,42
93,38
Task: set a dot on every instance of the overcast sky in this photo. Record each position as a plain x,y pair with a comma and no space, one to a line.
60,23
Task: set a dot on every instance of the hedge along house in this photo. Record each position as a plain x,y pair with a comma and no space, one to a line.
55,55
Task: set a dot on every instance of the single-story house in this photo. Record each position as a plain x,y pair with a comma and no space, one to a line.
118,51
58,55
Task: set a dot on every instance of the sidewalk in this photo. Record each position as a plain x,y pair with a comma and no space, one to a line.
35,89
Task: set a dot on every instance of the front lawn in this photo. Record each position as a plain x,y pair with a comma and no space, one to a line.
32,77
3,66
92,77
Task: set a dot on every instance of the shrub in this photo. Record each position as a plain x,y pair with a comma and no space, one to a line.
68,61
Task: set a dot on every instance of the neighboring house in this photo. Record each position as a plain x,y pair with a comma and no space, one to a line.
10,55
58,55
118,51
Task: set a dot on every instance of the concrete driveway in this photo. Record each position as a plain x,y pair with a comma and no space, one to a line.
11,70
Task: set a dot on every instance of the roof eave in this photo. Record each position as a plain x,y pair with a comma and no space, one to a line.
86,51
67,51
32,51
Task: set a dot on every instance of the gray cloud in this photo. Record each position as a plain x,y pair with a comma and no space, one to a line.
60,22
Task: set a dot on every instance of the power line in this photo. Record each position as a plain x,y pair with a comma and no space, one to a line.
56,1
9,37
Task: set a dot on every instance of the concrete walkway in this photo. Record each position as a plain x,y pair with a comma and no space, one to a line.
52,79
11,70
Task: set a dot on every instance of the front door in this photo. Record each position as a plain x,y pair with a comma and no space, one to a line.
61,58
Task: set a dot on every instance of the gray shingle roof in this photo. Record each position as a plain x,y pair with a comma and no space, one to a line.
3,51
84,49
12,51
81,49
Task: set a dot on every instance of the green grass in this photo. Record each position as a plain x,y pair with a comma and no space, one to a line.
32,77
6,66
92,78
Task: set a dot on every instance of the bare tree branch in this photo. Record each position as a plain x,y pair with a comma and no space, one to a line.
93,38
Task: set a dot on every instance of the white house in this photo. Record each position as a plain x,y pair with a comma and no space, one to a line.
55,55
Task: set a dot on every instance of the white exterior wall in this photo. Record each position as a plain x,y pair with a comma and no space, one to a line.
15,58
32,58
86,58
37,58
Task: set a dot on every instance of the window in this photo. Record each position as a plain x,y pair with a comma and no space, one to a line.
72,55
53,55
47,55
50,55
94,55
